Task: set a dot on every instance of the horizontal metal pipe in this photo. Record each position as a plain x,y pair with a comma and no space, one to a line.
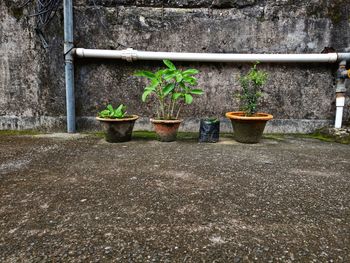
132,55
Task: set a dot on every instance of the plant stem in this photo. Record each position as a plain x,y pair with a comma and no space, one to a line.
178,112
160,99
172,108
168,109
162,108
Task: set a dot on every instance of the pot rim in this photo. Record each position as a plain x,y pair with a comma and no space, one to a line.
133,118
239,115
166,121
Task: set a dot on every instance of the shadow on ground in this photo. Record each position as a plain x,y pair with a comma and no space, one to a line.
78,198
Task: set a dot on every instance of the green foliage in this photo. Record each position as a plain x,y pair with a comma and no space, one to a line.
111,113
251,84
19,132
171,87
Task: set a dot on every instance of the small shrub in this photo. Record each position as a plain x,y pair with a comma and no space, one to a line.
251,84
111,113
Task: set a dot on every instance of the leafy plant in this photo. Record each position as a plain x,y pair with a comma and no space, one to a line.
172,88
251,84
111,113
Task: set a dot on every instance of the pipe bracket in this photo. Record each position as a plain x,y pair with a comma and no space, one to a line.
129,55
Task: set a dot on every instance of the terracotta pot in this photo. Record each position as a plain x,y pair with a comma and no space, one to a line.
118,130
248,129
166,129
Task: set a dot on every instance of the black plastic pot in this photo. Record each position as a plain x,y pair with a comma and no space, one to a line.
118,130
209,130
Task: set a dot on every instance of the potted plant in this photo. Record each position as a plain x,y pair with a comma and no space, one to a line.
249,124
117,124
171,89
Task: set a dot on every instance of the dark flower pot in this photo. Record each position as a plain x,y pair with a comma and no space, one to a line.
166,130
209,130
248,129
118,130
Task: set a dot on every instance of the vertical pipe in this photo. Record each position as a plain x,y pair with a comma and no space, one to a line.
69,66
342,74
340,103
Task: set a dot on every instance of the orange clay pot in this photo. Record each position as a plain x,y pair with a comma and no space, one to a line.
166,129
248,129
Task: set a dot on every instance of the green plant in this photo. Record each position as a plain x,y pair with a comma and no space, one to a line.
172,88
251,84
110,113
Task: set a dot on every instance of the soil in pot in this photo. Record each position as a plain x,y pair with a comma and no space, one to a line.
118,130
166,130
248,129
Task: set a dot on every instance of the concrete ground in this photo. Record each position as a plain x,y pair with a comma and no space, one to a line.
80,199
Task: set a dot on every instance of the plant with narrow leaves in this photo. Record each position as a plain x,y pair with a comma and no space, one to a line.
113,113
251,84
172,88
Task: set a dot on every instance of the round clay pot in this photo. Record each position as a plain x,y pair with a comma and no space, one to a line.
248,129
166,129
118,130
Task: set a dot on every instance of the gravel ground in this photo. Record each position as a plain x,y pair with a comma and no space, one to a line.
80,199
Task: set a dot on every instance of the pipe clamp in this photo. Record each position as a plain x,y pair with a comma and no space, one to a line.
129,55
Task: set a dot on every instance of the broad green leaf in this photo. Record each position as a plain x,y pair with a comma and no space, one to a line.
110,108
176,96
178,77
168,88
191,80
190,71
121,107
197,91
169,76
119,112
169,64
153,85
145,94
145,73
188,98
104,113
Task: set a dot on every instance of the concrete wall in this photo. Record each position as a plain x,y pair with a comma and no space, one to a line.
301,97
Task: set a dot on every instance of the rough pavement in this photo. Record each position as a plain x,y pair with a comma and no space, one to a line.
83,200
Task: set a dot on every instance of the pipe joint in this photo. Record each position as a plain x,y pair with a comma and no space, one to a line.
129,55
340,87
343,56
68,60
340,100
343,73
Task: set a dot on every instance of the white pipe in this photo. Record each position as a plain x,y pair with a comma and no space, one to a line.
340,103
132,55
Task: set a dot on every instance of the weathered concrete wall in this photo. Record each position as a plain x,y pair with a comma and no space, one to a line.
301,97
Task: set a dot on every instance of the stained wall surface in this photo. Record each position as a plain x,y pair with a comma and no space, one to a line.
300,96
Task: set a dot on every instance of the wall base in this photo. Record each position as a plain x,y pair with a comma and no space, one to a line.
54,124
